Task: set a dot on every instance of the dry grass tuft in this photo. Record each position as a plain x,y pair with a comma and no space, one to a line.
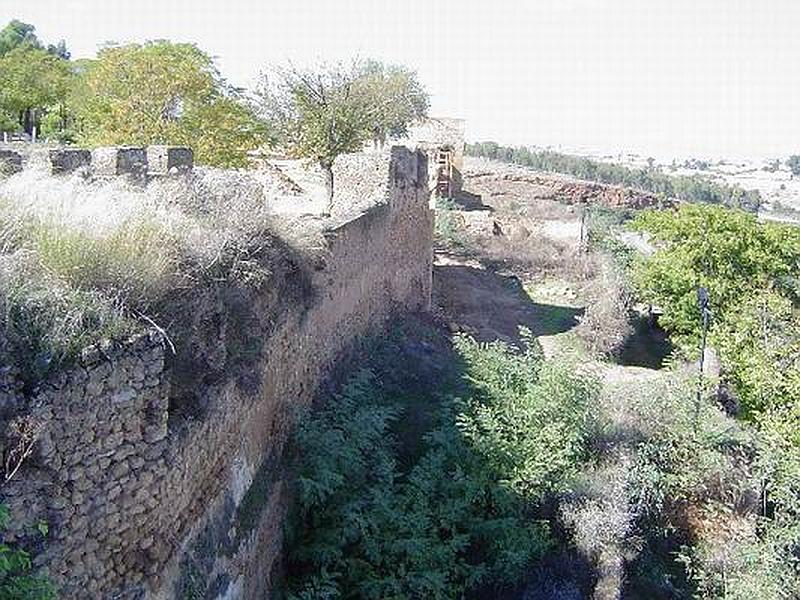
82,260
606,324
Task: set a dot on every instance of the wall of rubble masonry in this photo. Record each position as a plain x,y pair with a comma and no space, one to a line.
143,503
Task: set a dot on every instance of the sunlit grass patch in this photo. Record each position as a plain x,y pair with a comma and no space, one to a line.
138,261
46,322
81,261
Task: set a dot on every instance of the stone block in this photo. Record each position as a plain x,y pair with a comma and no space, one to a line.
405,166
124,451
126,160
120,469
169,159
67,160
123,396
155,433
10,162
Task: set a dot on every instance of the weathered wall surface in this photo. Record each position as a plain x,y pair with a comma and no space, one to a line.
438,132
143,502
433,134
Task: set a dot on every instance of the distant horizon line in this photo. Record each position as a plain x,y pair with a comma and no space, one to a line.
660,157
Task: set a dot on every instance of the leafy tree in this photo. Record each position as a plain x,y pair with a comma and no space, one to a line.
396,96
8,120
729,252
222,132
32,81
318,113
334,109
16,34
59,50
164,93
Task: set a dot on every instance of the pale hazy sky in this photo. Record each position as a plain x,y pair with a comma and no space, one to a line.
660,77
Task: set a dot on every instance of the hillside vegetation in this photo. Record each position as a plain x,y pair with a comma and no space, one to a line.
545,433
693,188
75,270
540,468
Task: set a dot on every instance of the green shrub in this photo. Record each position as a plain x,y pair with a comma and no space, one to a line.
17,581
603,226
449,233
461,517
760,560
527,417
759,344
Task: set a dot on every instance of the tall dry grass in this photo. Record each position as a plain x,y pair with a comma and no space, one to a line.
82,260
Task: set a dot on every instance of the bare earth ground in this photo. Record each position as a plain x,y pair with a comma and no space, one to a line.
490,301
493,303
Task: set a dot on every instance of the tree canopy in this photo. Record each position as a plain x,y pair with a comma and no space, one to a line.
397,98
322,112
161,92
318,112
164,93
31,79
729,252
16,34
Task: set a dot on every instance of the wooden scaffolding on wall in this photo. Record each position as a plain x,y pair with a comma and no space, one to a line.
444,172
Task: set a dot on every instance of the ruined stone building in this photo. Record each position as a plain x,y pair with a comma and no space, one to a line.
442,141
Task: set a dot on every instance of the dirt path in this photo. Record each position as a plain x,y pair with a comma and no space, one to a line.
493,306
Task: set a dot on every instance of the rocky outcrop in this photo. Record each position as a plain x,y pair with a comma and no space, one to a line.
522,182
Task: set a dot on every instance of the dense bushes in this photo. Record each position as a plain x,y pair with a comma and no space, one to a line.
693,189
463,515
759,340
729,252
746,524
17,580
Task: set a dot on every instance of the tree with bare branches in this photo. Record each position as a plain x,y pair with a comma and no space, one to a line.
320,113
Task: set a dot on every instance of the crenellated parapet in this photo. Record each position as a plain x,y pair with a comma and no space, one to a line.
138,162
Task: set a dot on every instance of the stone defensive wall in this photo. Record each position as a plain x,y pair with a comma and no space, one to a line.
147,497
110,161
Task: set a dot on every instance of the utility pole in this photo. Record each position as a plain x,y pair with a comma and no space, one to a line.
703,303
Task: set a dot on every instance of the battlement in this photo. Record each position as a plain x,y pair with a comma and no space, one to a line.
111,161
